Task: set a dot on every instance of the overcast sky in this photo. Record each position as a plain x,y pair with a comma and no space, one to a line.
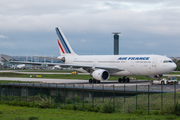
27,27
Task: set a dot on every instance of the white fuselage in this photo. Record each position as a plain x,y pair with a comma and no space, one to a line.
20,66
132,64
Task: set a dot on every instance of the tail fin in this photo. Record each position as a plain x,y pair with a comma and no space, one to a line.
64,47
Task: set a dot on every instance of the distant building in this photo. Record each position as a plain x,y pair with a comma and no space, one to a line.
5,58
4,62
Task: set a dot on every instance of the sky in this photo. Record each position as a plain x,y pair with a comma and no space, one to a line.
146,26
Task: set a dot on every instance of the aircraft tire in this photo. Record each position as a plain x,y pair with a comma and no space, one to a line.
128,80
119,80
94,81
90,80
98,81
124,79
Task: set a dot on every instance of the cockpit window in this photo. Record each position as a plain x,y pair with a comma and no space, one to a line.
167,61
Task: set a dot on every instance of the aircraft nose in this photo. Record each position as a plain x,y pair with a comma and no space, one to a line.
173,66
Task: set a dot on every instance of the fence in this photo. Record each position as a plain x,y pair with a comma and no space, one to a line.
121,97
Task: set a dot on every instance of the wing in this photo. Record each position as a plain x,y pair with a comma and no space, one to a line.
49,58
88,68
34,63
60,59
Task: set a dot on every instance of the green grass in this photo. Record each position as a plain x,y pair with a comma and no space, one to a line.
55,71
68,76
55,76
10,74
24,113
9,81
65,76
174,73
58,101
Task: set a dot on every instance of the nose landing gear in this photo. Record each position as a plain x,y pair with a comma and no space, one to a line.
124,80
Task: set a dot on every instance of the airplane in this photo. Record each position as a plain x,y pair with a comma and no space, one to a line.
101,67
20,66
56,67
1,63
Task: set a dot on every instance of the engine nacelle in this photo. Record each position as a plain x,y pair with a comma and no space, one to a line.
154,76
101,75
62,58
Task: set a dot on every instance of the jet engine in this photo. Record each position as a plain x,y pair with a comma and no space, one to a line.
100,74
154,76
62,58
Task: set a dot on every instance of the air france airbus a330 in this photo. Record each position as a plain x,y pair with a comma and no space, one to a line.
101,67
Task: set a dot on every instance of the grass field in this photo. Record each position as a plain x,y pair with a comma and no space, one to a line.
24,113
65,76
156,103
68,76
55,71
9,81
174,73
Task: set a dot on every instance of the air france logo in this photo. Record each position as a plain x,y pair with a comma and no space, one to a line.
134,58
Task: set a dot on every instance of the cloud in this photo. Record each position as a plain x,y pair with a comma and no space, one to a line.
147,22
3,37
83,40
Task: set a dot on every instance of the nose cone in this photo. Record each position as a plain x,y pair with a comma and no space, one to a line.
167,68
173,66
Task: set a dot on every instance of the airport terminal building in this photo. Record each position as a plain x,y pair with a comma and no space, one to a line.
5,64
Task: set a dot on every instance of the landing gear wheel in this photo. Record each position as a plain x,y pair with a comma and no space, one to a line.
94,81
119,80
98,81
128,80
90,80
124,79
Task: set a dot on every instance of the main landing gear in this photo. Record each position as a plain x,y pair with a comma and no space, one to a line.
124,80
94,81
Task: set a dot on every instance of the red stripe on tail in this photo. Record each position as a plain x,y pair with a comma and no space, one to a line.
60,46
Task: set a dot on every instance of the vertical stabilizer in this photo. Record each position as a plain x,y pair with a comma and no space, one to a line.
64,46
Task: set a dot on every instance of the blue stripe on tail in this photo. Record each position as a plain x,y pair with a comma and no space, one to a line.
66,48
